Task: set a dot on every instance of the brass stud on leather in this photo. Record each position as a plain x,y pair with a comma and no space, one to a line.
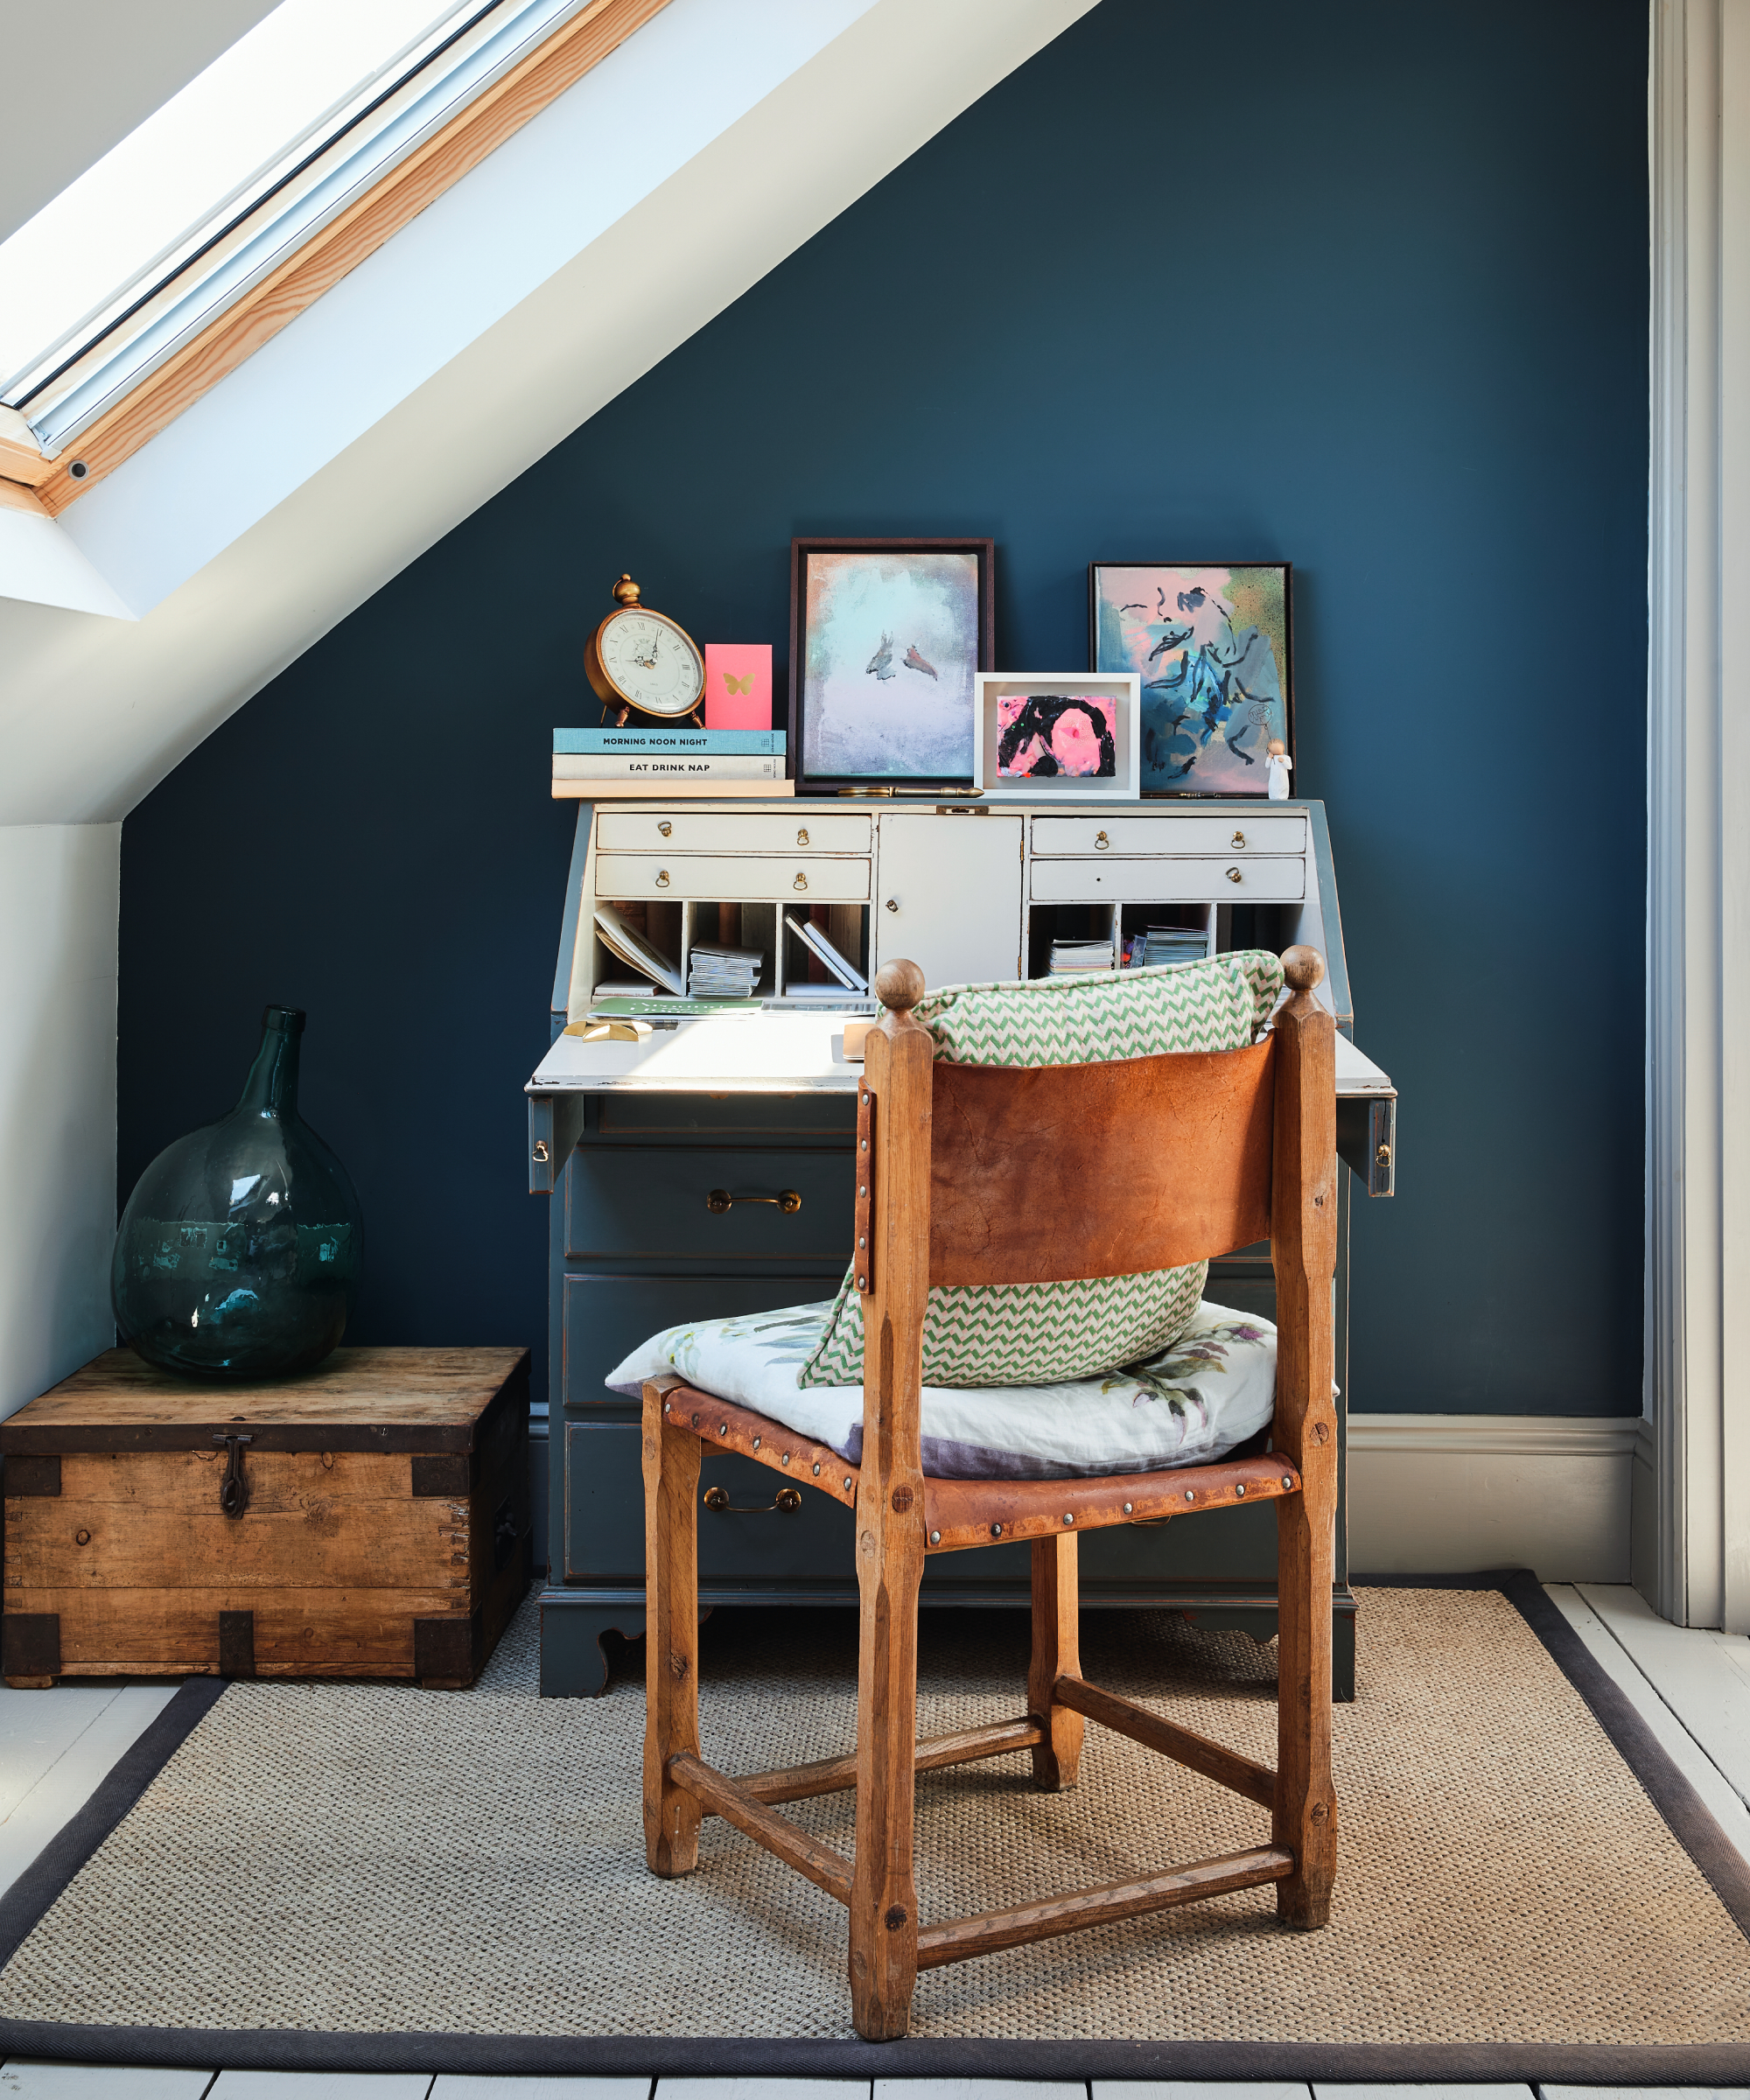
847,1483
722,1429
1288,1480
935,1538
696,1421
1240,1487
1069,1516
818,1469
996,1530
785,1459
756,1443
1127,1508
1191,1495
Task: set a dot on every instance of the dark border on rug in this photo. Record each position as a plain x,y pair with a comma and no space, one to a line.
1684,1813
25,1905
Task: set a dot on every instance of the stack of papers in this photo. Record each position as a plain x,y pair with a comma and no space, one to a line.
719,971
1076,958
625,944
1164,946
818,944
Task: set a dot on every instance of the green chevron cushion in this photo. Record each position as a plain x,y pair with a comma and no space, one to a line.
1039,1334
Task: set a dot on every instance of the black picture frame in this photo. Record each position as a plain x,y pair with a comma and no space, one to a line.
801,548
1243,790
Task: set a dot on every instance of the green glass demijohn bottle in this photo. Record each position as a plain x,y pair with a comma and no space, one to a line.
240,1251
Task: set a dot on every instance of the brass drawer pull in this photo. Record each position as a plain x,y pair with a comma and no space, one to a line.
662,878
787,1199
801,883
801,838
893,904
1238,842
665,828
1101,842
1234,875
789,1500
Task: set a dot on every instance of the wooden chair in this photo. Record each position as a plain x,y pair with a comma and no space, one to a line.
972,1175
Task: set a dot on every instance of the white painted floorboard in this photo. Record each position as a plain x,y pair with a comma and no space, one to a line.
30,2081
1644,2092
455,2085
976,2088
1704,1678
317,2085
1648,1697
1420,2092
56,1748
1192,2089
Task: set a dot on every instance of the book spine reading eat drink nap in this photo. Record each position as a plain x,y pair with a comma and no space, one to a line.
664,765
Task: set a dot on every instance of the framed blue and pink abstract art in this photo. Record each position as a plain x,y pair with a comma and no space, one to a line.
886,637
1210,642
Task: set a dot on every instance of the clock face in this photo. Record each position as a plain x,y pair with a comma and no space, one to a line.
650,661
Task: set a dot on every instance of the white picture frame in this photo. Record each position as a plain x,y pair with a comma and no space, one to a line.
1120,691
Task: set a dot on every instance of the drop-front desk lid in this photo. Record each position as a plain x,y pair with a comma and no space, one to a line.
795,1052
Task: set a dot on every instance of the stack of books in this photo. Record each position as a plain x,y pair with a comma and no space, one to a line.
625,944
718,971
1164,946
841,967
591,764
1078,958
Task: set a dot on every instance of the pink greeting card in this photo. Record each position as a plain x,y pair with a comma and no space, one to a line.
738,685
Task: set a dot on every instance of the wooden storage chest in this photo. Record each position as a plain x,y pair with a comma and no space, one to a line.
368,1519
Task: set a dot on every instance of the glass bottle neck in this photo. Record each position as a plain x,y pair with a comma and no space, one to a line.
271,1088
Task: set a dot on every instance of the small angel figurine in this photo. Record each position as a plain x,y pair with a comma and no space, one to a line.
1279,768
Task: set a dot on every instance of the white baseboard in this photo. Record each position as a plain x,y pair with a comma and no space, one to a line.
1447,1494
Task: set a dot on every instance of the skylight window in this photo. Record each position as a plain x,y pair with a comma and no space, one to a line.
220,186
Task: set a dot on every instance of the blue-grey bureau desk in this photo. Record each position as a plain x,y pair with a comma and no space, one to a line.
639,1144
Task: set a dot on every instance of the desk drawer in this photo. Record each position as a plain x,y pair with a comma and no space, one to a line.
1057,834
1225,881
605,1517
727,831
712,876
607,1317
653,1204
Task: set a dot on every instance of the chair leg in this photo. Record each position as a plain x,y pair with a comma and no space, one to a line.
883,1898
1306,1817
671,1691
1057,1652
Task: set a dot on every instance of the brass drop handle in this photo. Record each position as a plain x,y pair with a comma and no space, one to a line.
665,828
1101,842
801,838
662,878
789,1500
1383,1155
1234,875
787,1199
893,904
1238,842
801,883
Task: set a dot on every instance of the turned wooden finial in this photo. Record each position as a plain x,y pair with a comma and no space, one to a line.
898,985
1303,966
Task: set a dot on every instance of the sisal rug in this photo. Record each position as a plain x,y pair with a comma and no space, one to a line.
371,1876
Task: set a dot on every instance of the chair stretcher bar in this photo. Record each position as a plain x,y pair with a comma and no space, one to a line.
1227,1767
836,1775
962,1938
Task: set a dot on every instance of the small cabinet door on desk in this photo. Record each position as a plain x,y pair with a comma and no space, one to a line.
948,894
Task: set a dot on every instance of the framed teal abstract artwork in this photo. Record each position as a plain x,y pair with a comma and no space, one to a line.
1211,644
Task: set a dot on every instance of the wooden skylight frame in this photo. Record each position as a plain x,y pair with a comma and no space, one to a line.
330,254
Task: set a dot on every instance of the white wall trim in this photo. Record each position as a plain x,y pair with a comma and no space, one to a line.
1450,1494
1697,1374
1519,1436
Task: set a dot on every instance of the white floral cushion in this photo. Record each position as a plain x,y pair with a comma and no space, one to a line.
1187,1405
1008,1334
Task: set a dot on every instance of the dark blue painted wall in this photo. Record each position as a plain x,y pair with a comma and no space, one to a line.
1361,286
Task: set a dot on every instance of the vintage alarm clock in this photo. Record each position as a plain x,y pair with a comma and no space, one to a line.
641,658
